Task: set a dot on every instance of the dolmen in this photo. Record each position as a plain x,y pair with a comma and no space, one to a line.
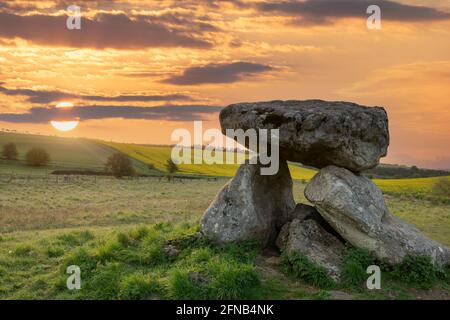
341,139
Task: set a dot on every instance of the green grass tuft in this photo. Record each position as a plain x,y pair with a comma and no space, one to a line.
24,250
54,251
355,266
76,238
82,258
104,283
182,286
417,271
231,279
137,286
299,266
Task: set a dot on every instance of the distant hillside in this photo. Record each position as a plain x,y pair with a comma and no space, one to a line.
158,155
65,153
390,171
88,154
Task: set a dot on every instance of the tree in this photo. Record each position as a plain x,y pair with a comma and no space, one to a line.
172,168
37,157
10,151
119,165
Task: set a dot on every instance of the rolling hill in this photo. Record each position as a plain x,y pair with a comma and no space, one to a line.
65,153
88,154
158,155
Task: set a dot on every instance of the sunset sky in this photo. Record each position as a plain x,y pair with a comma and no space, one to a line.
137,70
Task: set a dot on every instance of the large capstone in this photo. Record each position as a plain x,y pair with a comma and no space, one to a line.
315,132
250,206
355,208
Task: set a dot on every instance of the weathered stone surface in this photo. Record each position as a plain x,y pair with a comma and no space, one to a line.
355,208
250,206
312,240
303,212
171,251
316,132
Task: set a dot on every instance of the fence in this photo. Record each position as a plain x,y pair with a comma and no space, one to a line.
45,178
49,178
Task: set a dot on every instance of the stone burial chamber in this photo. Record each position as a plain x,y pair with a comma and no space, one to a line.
341,139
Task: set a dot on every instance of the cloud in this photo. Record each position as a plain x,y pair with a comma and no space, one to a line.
218,73
104,30
172,113
48,96
141,98
317,12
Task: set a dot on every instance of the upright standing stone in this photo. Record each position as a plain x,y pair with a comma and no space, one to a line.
250,206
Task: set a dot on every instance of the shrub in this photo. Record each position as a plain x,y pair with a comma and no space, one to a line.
441,187
10,151
299,266
417,271
355,265
136,287
171,168
119,165
37,157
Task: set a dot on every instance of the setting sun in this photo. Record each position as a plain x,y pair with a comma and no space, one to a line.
64,104
64,125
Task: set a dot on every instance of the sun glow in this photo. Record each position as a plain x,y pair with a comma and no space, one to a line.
64,104
64,125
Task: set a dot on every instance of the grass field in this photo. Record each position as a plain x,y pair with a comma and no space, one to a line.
46,224
158,155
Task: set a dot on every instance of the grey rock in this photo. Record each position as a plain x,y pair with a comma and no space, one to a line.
355,208
302,211
310,239
198,277
317,133
171,251
250,206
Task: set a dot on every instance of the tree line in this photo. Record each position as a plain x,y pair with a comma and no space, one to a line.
35,157
118,164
